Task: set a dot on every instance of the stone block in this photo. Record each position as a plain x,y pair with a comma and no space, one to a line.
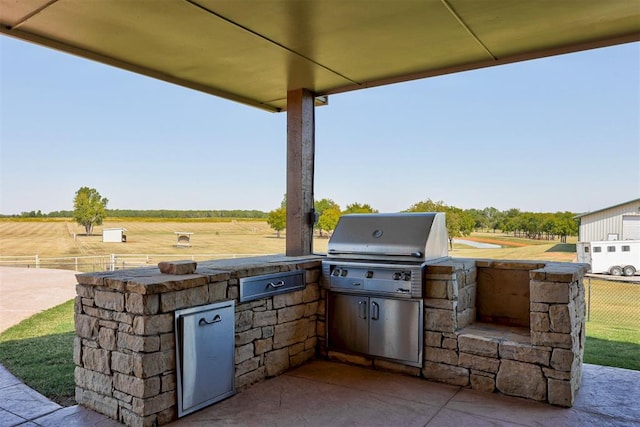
171,301
441,355
244,352
267,331
217,291
155,404
539,307
290,333
562,359
289,314
152,364
312,275
243,381
109,300
549,292
96,360
167,341
168,382
311,343
432,339
85,291
452,289
100,313
296,348
539,322
130,419
450,343
107,338
144,344
300,358
311,309
244,320
479,345
246,337
288,299
455,375
121,362
262,346
86,326
560,317
103,404
525,353
137,387
142,304
311,293
92,380
178,267
247,366
558,375
482,383
561,393
77,351
439,320
510,380
552,339
436,289
152,325
276,362
264,318
479,363
466,317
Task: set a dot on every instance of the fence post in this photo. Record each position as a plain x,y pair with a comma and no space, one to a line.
37,261
112,265
76,263
589,300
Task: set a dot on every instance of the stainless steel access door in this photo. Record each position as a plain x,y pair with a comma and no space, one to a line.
205,352
395,330
348,322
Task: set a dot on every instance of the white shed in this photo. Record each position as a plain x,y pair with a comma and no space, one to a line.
114,235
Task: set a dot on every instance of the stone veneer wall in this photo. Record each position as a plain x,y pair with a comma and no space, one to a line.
124,349
541,363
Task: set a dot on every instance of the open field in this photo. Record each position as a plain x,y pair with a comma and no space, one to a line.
55,238
65,238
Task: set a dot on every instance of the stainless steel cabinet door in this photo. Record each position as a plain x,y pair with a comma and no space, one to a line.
347,321
207,362
394,329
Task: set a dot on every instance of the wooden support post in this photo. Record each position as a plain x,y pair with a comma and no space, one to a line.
300,170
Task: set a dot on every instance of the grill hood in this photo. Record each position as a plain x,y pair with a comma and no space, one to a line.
412,237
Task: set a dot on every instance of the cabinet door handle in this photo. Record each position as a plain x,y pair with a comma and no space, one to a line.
375,310
216,319
362,309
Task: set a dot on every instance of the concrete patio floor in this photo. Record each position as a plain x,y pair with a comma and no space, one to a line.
323,393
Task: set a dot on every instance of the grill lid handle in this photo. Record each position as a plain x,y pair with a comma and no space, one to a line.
417,254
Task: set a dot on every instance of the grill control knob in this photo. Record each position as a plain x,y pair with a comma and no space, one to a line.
343,272
397,275
369,274
335,272
406,276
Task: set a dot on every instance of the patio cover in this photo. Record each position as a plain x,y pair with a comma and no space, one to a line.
255,51
290,54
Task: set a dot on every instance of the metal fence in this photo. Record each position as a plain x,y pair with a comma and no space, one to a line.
613,301
112,262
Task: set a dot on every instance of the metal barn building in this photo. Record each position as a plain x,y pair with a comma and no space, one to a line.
619,222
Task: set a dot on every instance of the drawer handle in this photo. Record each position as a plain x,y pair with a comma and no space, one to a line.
276,285
204,321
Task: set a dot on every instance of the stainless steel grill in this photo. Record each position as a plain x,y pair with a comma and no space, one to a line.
374,273
384,253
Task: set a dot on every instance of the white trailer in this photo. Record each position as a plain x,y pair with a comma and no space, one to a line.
615,257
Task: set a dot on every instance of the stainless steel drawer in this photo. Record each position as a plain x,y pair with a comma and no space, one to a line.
256,287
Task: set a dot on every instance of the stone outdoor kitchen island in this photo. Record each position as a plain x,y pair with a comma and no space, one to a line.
529,344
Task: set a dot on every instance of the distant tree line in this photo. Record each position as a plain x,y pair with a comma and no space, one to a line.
459,222
155,213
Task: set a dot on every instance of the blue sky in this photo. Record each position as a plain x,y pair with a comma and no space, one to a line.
555,134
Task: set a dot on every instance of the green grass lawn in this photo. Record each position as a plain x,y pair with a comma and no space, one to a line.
39,351
613,325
